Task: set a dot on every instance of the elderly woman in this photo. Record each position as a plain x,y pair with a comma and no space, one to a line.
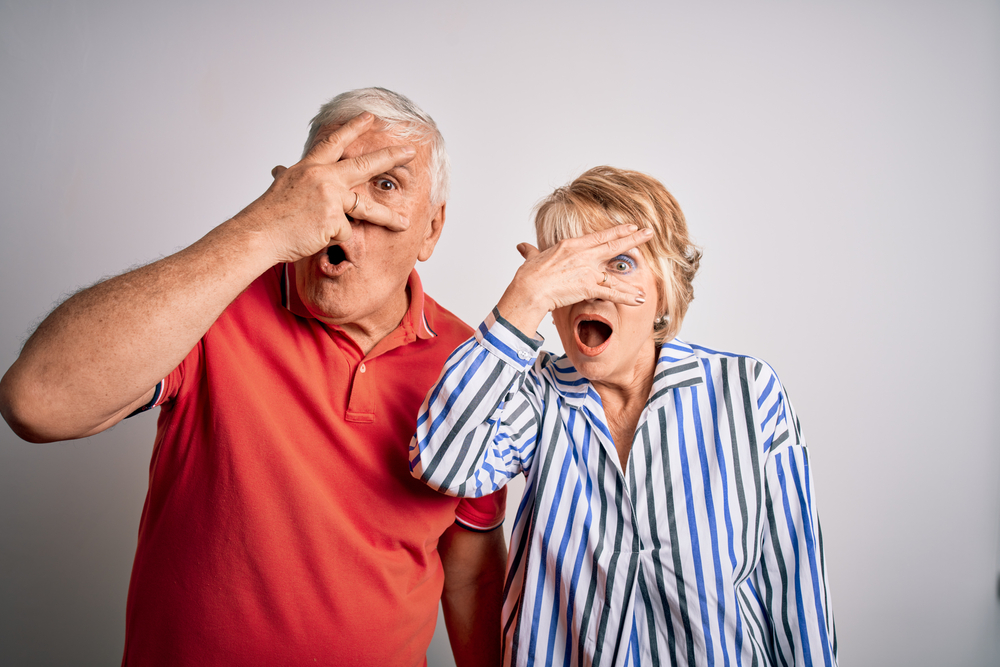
668,515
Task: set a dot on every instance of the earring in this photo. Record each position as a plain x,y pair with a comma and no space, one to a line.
661,321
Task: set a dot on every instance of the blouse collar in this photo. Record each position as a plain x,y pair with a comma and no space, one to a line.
676,366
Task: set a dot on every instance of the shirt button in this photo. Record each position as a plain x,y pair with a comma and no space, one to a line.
524,355
362,369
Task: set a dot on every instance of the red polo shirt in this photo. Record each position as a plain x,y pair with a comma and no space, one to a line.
282,525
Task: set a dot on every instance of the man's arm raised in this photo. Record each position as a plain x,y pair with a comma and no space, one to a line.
99,355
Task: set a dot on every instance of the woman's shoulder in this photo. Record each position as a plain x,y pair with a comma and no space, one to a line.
748,368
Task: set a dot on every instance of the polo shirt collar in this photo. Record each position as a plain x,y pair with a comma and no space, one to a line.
415,319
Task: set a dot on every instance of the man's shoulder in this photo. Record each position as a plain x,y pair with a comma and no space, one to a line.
261,298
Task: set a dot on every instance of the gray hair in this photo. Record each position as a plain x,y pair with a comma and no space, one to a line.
398,115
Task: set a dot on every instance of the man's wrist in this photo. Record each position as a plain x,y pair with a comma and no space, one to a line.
247,240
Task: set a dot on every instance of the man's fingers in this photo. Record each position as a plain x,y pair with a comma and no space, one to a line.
351,199
363,168
369,211
331,140
278,171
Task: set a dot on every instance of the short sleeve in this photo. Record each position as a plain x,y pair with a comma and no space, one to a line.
180,379
483,513
171,386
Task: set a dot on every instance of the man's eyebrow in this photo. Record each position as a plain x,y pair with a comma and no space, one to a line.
394,171
401,166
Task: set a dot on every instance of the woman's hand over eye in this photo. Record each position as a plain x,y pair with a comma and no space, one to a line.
569,272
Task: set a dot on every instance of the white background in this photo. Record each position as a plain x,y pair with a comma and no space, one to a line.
838,162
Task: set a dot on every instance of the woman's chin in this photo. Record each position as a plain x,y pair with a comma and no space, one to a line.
595,366
609,362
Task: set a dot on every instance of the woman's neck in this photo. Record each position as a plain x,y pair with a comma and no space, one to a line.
624,400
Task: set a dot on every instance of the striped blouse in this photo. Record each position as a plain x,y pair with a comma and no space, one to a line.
705,550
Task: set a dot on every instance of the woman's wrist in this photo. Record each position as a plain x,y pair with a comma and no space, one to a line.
521,306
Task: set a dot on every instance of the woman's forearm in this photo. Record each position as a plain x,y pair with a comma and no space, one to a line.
466,443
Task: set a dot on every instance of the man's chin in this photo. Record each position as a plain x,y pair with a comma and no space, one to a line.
325,297
328,310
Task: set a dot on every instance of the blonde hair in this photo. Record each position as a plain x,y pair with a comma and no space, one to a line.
604,197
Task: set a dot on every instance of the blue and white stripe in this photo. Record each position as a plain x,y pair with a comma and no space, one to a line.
705,550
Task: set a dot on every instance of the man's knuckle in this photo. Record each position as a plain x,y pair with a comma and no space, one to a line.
312,172
363,162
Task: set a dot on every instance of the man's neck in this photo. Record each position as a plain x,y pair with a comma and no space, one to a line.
369,332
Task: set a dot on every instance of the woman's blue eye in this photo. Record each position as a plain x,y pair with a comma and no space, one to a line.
623,264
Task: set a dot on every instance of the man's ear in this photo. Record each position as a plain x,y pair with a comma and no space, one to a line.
433,233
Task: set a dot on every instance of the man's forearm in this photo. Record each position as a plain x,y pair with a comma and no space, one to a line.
105,348
474,565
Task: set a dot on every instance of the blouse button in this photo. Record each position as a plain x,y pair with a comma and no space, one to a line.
524,355
362,369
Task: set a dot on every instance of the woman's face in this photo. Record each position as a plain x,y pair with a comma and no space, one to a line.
613,343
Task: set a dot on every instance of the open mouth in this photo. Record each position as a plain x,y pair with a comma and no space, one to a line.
592,335
334,262
335,254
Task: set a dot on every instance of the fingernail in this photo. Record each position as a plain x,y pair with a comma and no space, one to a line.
365,115
633,228
405,221
639,299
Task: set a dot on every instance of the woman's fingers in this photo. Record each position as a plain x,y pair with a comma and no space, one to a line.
578,269
527,250
627,241
611,241
624,294
609,235
614,289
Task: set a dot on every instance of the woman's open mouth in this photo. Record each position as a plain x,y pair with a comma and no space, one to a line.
592,334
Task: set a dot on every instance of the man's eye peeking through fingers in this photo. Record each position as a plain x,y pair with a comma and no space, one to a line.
385,185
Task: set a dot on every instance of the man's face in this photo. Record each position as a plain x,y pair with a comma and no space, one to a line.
361,284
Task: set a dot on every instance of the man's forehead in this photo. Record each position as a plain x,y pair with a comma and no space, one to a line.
379,138
378,133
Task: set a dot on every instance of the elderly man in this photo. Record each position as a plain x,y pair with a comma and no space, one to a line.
289,350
